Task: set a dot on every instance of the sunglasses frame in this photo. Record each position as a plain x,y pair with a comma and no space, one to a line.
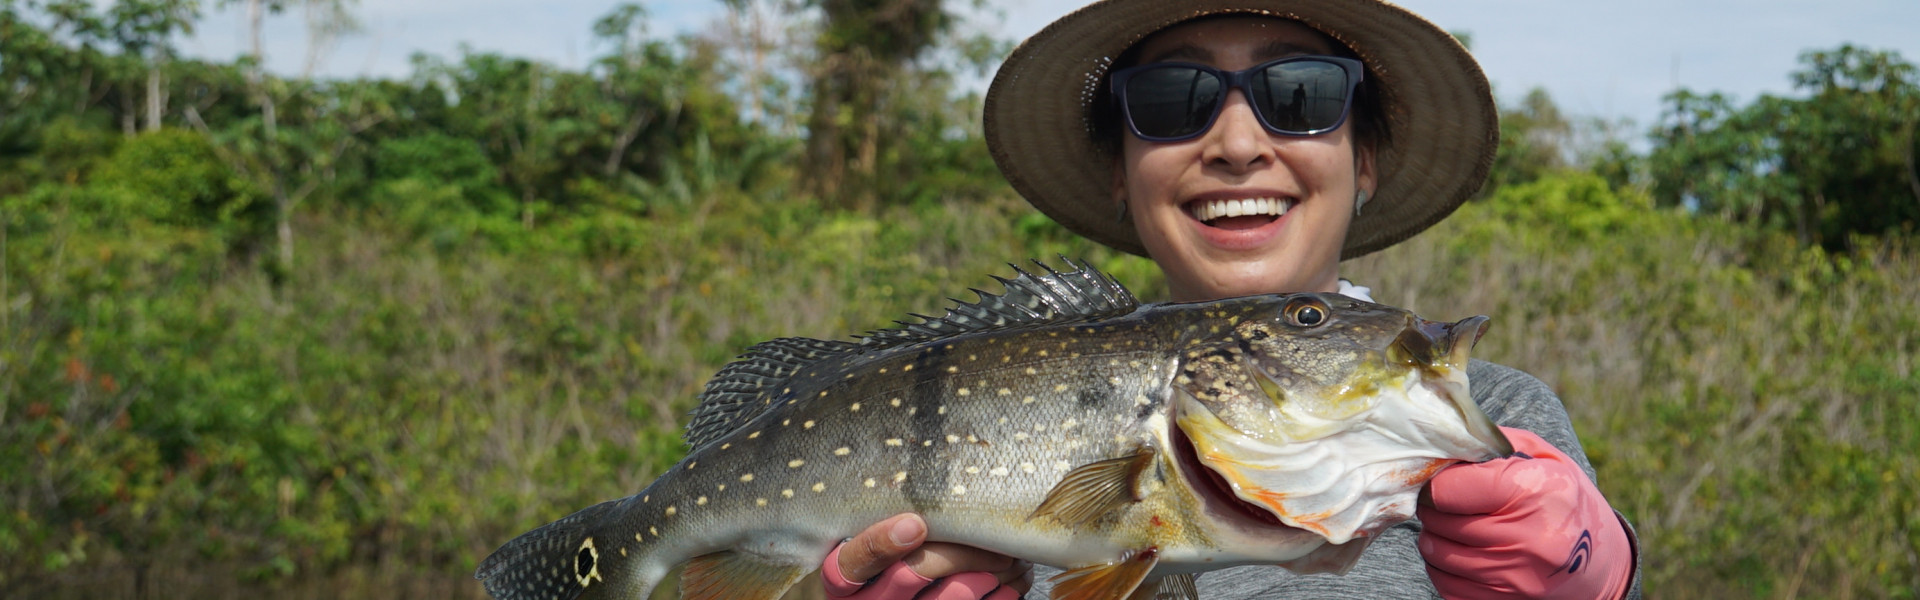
1241,80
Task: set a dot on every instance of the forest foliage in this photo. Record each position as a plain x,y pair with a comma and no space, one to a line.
262,332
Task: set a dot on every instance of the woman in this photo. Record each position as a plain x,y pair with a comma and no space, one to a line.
1247,147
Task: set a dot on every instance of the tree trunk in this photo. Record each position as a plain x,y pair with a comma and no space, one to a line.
156,96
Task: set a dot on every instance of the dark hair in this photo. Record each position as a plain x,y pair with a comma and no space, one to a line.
1368,119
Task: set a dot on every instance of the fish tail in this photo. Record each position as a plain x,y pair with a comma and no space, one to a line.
567,559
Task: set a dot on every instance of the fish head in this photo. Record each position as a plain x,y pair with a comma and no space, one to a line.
1330,413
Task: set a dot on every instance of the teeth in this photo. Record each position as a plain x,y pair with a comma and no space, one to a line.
1208,210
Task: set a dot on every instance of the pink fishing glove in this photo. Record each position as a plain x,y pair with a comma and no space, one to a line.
1529,526
899,582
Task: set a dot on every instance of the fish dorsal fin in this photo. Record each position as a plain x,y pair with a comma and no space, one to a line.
1084,294
752,384
749,386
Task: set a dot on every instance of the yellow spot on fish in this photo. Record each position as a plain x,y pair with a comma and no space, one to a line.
894,403
907,368
807,425
1003,420
972,470
1026,467
786,493
893,441
753,435
951,438
671,511
759,501
795,463
746,477
1069,424
1061,465
1059,387
869,482
702,501
998,472
644,499
953,369
1004,392
726,445
899,476
655,532
842,451
959,490
855,407
1032,371
693,464
1020,436
972,357
963,392
943,409
883,369
786,422
927,443
623,550
1042,353
637,538
1028,400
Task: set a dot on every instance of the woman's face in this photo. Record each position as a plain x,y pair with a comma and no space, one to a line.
1301,189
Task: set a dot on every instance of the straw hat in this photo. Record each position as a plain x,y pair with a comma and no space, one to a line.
1436,104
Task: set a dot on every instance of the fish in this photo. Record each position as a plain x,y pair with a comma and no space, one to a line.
1060,421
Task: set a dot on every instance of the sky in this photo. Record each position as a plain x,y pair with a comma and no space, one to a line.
1612,60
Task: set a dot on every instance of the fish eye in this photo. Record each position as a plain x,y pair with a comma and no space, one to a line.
1307,313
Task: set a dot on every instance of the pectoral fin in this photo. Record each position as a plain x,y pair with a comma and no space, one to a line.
733,575
1094,489
1103,582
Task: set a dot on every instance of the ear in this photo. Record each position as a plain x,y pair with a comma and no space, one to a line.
1366,178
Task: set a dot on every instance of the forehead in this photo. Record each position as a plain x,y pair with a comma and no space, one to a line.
1232,38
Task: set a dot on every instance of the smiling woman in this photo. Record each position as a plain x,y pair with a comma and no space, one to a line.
1248,147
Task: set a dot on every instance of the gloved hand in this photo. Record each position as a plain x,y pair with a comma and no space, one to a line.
1528,526
953,572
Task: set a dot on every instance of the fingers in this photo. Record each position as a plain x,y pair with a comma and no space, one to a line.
872,550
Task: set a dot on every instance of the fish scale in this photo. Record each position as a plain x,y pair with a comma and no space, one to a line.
1059,422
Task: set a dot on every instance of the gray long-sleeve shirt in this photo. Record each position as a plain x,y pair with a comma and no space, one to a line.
1391,568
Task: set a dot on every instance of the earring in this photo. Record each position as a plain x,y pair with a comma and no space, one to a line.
1359,200
1122,217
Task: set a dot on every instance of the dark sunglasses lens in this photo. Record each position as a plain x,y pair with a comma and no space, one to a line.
1301,96
1171,102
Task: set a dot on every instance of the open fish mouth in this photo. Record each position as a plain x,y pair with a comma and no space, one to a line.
1356,471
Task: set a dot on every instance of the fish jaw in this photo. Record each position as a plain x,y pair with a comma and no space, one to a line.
1352,477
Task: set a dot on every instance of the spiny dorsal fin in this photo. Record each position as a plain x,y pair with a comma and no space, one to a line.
1081,295
751,385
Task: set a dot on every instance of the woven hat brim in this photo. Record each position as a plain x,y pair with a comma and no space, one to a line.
1438,107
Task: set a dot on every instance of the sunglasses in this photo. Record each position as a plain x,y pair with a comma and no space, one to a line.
1297,95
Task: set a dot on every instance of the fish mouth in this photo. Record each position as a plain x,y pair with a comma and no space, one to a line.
1440,351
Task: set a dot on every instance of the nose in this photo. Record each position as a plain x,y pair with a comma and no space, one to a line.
1237,142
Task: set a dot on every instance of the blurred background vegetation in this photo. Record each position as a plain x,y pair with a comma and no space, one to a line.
270,334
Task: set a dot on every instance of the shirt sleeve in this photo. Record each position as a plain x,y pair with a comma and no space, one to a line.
1391,568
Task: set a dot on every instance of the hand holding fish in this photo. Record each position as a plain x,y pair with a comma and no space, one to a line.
891,561
1528,526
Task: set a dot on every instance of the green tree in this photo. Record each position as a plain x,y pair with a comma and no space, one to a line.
1837,163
